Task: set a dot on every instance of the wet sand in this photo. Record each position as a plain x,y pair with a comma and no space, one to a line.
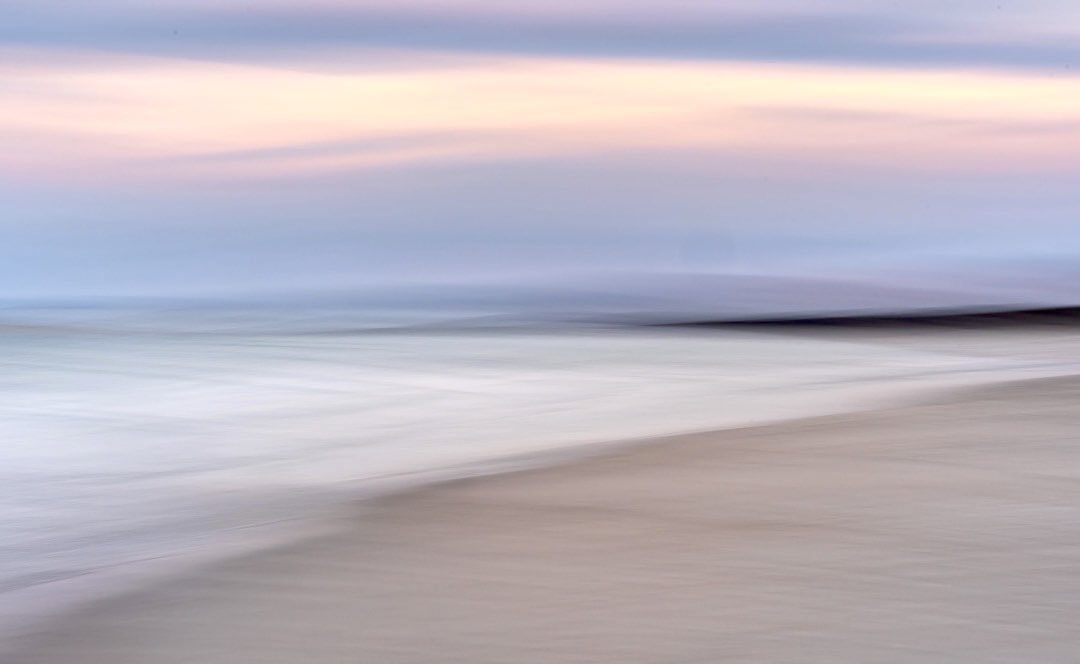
947,532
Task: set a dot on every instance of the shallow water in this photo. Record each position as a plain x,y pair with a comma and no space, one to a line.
131,446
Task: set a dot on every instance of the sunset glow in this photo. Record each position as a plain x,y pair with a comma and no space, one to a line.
141,129
139,115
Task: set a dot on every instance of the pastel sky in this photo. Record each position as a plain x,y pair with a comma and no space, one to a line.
174,146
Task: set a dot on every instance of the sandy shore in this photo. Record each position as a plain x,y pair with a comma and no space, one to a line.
939,533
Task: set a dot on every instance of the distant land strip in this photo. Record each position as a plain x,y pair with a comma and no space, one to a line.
936,317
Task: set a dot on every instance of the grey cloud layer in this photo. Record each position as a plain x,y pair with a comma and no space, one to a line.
433,221
227,33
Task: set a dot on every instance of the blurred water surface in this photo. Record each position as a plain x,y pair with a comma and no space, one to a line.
125,446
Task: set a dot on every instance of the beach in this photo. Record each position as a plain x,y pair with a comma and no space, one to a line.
947,531
131,455
488,332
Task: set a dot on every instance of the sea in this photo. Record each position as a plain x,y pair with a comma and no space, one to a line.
133,447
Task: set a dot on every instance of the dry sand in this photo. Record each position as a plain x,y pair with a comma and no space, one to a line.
938,533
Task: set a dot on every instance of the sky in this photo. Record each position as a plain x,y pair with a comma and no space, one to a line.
190,146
